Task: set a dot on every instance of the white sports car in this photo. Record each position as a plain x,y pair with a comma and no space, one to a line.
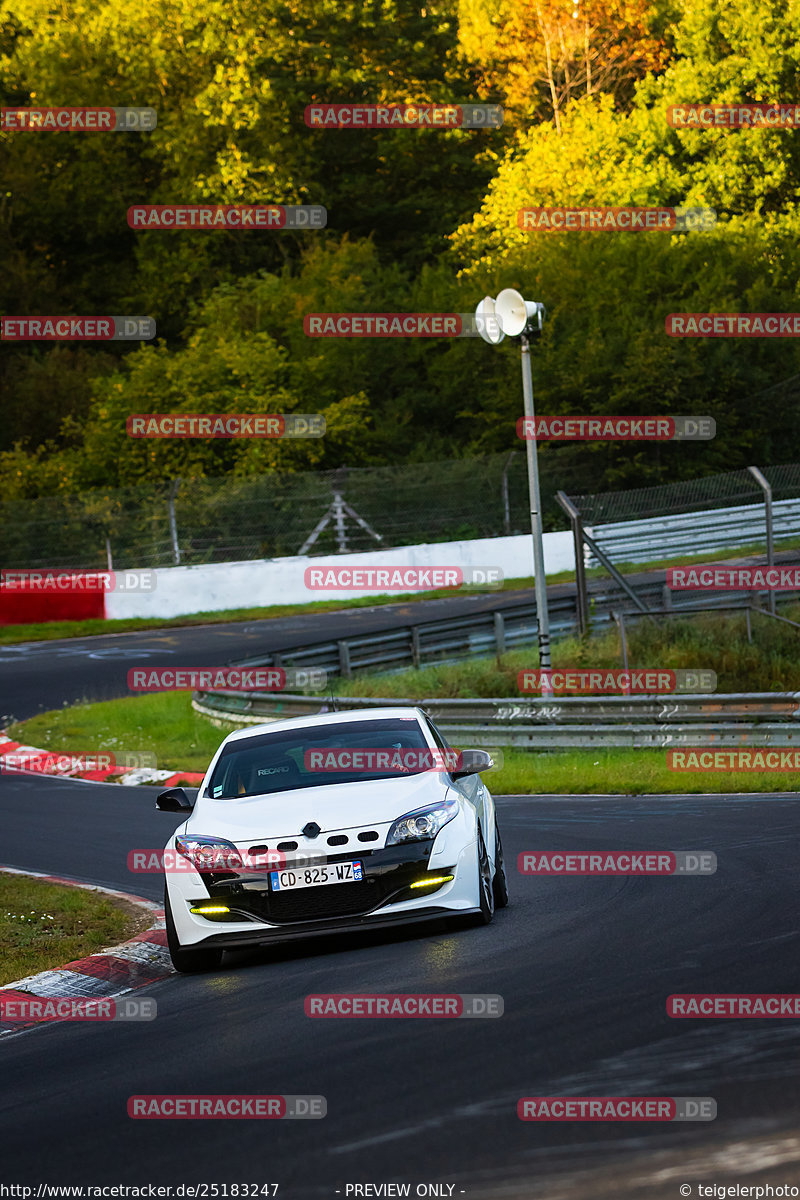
347,820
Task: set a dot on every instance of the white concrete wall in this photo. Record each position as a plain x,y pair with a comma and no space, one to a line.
181,591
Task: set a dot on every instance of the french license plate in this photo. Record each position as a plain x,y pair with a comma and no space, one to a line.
303,877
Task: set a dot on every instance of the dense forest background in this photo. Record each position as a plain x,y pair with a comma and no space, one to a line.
417,221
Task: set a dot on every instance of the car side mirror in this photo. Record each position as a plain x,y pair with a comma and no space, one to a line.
174,800
471,762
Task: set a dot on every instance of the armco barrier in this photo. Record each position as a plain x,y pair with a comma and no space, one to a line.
504,626
734,719
770,718
674,535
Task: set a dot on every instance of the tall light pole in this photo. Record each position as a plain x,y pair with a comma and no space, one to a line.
511,314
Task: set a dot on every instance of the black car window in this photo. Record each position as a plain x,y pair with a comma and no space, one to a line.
319,755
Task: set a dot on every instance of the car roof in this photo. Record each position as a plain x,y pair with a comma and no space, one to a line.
406,712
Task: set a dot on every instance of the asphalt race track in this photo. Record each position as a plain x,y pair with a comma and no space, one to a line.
584,966
38,676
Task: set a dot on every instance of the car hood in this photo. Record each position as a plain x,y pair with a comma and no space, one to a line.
332,807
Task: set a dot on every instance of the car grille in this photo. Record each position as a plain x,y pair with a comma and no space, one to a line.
345,899
387,875
312,904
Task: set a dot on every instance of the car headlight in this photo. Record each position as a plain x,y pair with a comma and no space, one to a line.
422,823
208,853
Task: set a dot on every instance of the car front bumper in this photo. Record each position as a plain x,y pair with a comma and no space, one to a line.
384,897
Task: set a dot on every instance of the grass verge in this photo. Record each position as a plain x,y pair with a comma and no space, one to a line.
45,925
623,773
166,725
707,640
163,723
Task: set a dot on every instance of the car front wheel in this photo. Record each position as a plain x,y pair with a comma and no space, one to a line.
485,882
500,881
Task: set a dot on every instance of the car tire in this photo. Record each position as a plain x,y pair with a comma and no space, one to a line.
188,962
500,881
484,883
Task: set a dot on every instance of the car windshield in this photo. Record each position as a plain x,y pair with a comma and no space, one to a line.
318,755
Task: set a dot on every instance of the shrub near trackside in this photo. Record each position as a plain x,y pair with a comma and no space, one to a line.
714,642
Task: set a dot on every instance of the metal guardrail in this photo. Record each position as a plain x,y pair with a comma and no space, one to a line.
695,533
493,631
733,719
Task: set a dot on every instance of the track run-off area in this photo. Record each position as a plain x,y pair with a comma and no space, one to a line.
584,966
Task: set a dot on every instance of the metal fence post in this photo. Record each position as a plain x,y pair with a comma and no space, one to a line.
764,484
341,535
619,617
173,527
499,634
576,522
415,655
